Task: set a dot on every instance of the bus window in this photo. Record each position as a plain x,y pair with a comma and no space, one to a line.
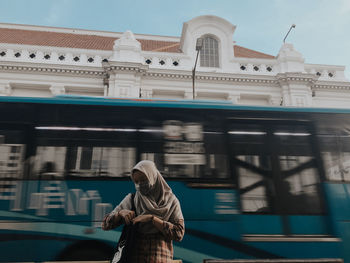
84,152
335,150
252,163
185,150
254,186
277,169
12,152
299,177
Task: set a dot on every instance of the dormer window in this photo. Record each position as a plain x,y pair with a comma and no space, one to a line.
209,52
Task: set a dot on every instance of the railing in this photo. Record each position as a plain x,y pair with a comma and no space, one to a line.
55,56
64,56
81,57
326,72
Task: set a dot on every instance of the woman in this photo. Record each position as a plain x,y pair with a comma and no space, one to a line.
157,210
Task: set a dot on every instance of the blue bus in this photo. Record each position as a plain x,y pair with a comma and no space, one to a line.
253,182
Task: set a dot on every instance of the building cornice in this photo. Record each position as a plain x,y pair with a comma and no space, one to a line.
268,61
325,67
297,77
240,78
333,86
113,67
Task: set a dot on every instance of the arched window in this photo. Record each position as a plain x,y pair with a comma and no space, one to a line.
209,52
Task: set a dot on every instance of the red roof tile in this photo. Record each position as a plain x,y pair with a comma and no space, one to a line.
160,46
249,53
55,39
70,40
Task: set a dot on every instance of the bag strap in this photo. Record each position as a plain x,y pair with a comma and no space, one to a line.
133,208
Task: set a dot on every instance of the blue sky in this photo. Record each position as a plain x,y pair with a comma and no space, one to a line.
321,33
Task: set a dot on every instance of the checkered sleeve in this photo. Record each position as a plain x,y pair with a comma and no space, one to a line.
174,231
110,221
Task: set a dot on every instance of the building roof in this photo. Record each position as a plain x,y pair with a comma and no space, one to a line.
249,53
98,42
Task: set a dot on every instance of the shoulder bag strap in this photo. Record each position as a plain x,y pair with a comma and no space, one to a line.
133,208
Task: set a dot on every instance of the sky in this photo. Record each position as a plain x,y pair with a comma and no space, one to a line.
321,34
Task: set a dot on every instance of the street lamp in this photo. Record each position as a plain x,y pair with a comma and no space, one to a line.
199,45
105,66
292,26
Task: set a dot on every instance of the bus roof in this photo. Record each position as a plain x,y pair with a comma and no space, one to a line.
163,103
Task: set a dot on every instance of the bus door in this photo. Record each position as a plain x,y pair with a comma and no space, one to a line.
278,175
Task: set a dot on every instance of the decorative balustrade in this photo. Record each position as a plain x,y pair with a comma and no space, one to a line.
52,57
326,72
156,60
257,68
165,61
85,59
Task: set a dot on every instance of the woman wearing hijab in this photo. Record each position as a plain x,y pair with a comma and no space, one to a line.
157,210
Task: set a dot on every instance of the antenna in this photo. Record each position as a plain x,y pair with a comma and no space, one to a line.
292,26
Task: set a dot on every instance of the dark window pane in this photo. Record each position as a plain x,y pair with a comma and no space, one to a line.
335,149
276,167
79,153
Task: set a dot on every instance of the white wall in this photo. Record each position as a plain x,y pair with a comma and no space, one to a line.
241,80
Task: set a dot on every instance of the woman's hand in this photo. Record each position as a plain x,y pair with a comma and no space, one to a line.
142,218
127,215
108,222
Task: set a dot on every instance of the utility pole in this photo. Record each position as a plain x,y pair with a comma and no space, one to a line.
199,45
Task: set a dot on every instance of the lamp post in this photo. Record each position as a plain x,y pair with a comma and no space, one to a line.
199,45
292,26
105,66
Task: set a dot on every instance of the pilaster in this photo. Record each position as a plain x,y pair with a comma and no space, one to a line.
296,89
188,95
125,67
5,90
125,79
57,90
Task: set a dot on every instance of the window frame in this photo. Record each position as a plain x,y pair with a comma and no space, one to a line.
210,56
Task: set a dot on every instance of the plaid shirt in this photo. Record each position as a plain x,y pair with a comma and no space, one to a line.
158,248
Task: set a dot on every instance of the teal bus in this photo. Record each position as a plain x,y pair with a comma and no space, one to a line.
253,182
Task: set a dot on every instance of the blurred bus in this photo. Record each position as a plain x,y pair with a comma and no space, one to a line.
253,182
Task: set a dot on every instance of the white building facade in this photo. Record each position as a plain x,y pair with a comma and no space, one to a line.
43,62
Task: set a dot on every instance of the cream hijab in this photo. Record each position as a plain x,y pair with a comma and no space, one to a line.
160,201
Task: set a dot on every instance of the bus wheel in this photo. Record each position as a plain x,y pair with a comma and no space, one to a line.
86,250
